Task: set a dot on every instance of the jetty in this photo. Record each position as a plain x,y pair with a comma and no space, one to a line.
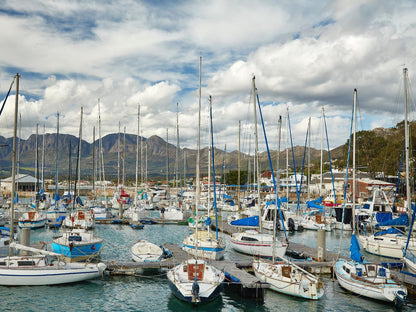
236,272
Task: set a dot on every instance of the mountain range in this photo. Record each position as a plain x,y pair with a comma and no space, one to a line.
154,147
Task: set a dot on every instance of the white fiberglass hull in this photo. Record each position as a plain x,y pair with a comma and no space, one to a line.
48,275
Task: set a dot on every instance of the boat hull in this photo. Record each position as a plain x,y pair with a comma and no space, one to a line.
377,291
48,276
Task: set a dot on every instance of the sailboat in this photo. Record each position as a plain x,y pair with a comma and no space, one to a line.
368,279
34,219
391,242
254,242
362,277
195,280
78,244
288,278
204,243
45,268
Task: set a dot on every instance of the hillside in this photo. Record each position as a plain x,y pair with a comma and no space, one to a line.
377,150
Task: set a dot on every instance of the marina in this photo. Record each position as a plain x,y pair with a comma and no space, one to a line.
242,289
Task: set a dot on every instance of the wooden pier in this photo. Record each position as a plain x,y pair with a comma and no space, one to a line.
239,279
309,255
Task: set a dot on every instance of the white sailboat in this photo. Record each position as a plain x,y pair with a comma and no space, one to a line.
194,280
203,243
254,242
42,269
362,277
145,251
390,243
368,279
288,278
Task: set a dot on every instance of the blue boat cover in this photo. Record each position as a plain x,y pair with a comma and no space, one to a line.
315,203
355,250
249,221
383,216
402,220
389,231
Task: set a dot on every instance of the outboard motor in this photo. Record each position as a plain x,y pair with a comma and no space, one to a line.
195,291
400,299
292,226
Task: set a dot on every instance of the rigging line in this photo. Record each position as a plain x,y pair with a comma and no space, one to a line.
7,95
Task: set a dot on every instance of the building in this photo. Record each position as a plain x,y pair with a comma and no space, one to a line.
24,183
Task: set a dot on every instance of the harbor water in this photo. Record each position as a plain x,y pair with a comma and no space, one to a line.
149,291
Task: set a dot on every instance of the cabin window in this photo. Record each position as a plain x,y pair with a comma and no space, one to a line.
25,263
246,238
3,263
347,270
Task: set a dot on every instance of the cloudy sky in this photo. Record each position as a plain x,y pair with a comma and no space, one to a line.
305,55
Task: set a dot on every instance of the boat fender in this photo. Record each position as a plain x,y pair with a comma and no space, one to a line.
377,248
71,246
195,291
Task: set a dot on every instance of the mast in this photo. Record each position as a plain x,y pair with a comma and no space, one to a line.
177,152
56,157
137,155
18,153
167,165
239,168
101,156
198,186
209,158
287,156
322,150
118,156
16,103
256,154
278,150
353,160
79,151
309,159
406,136
93,162
43,158
36,168
124,157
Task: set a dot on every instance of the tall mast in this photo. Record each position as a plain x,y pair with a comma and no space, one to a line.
18,152
177,148
198,186
79,150
209,158
137,154
406,136
278,151
167,164
16,103
124,156
322,151
309,159
43,158
256,155
287,155
118,156
56,157
353,159
37,168
93,161
239,167
101,156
